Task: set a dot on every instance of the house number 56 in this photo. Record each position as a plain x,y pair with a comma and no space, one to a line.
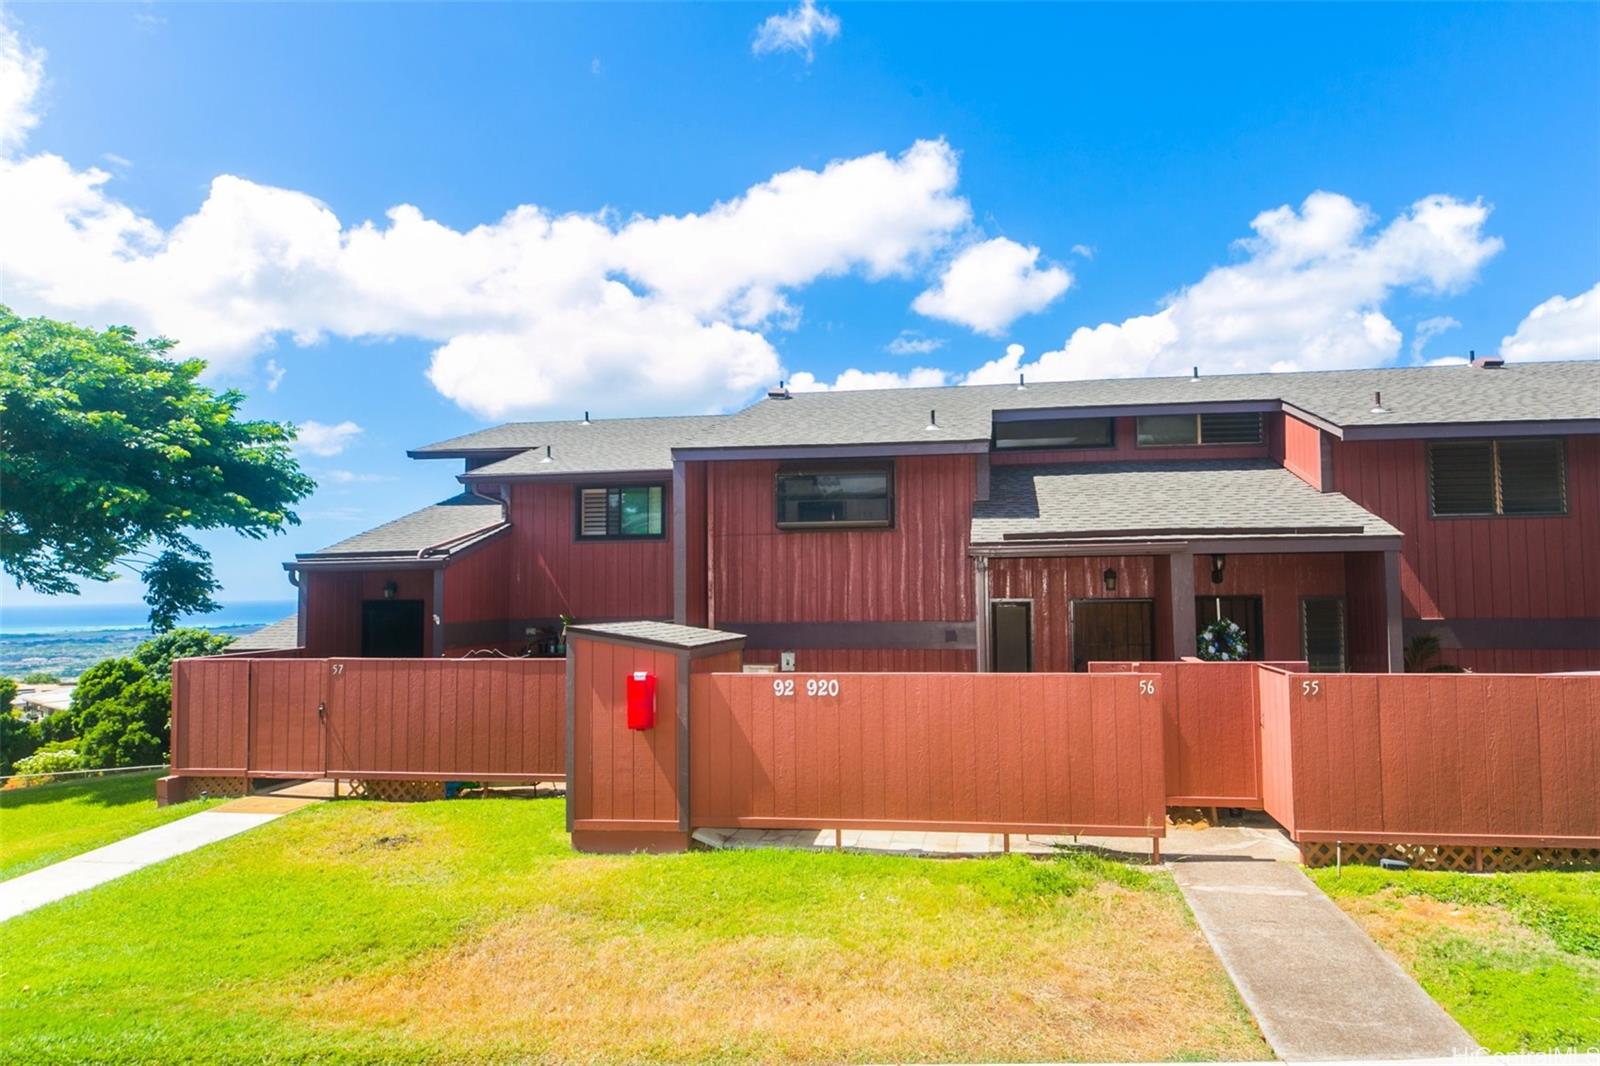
1147,688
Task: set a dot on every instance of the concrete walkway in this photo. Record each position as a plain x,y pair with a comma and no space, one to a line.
1318,986
71,876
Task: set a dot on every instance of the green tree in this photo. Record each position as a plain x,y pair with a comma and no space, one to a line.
112,453
157,653
128,729
41,677
18,739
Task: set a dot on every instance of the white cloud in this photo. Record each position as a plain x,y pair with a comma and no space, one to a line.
274,374
1559,328
1428,329
851,380
1307,295
117,160
320,438
796,30
21,75
350,477
533,312
910,342
1083,251
991,284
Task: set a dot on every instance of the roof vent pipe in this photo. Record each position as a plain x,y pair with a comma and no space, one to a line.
1377,404
778,392
1486,362
1196,376
586,419
548,458
933,419
1022,383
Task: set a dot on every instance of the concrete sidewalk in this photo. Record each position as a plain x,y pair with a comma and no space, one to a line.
1318,986
71,876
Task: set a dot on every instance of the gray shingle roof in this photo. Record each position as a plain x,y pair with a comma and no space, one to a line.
452,520
667,633
619,443
1115,500
1411,395
276,636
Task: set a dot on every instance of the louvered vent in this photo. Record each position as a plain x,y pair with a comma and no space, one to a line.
593,520
1230,429
1498,477
1322,626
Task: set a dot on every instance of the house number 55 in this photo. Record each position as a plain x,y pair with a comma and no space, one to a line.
1310,688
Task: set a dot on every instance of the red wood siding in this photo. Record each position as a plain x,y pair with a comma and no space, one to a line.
918,570
856,660
1126,448
1436,758
475,587
1302,451
552,574
1281,580
1482,567
333,605
694,484
980,752
1366,614
623,779
1053,583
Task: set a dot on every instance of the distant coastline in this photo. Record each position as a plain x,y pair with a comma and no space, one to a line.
69,638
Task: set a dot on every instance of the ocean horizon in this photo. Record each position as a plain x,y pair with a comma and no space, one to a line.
49,619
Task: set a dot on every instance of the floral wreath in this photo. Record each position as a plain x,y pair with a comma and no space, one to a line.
1223,641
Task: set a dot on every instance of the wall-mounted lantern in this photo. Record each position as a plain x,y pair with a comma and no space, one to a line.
1110,578
389,589
1217,564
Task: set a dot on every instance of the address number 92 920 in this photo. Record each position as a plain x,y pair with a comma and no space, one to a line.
815,686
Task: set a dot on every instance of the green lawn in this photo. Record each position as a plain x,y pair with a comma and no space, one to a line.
48,823
1515,958
467,930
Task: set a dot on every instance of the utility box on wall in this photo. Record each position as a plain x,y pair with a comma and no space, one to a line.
641,700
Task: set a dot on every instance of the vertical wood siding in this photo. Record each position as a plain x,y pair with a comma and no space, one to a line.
552,574
433,719
695,568
916,571
1483,567
857,660
333,605
1277,751
1302,451
623,779
1053,583
475,585
1366,613
980,752
1281,580
1437,758
1126,449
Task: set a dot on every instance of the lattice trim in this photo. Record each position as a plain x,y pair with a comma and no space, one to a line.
1457,857
397,791
221,787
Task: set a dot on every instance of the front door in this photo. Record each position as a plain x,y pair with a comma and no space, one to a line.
391,629
1011,636
1112,631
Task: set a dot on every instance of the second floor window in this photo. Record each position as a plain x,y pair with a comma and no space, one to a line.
1054,433
1157,431
620,512
1497,477
855,497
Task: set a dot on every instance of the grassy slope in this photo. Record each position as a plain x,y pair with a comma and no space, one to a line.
469,931
48,823
1515,958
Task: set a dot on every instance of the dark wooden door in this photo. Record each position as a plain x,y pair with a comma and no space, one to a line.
1011,637
1112,631
391,629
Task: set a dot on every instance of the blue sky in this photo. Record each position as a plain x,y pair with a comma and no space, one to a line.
1000,175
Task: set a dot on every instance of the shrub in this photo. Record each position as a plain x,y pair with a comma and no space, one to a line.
156,654
18,740
41,677
8,694
48,762
128,729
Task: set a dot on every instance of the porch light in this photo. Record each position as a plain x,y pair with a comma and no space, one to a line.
389,589
1110,578
1218,562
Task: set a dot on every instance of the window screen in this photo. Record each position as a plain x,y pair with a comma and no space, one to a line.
1054,433
621,511
1322,631
1157,430
843,498
1497,477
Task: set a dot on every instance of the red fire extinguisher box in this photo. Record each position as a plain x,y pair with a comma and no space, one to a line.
641,700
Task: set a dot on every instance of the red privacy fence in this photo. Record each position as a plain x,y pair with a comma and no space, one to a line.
1452,759
417,719
1073,753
